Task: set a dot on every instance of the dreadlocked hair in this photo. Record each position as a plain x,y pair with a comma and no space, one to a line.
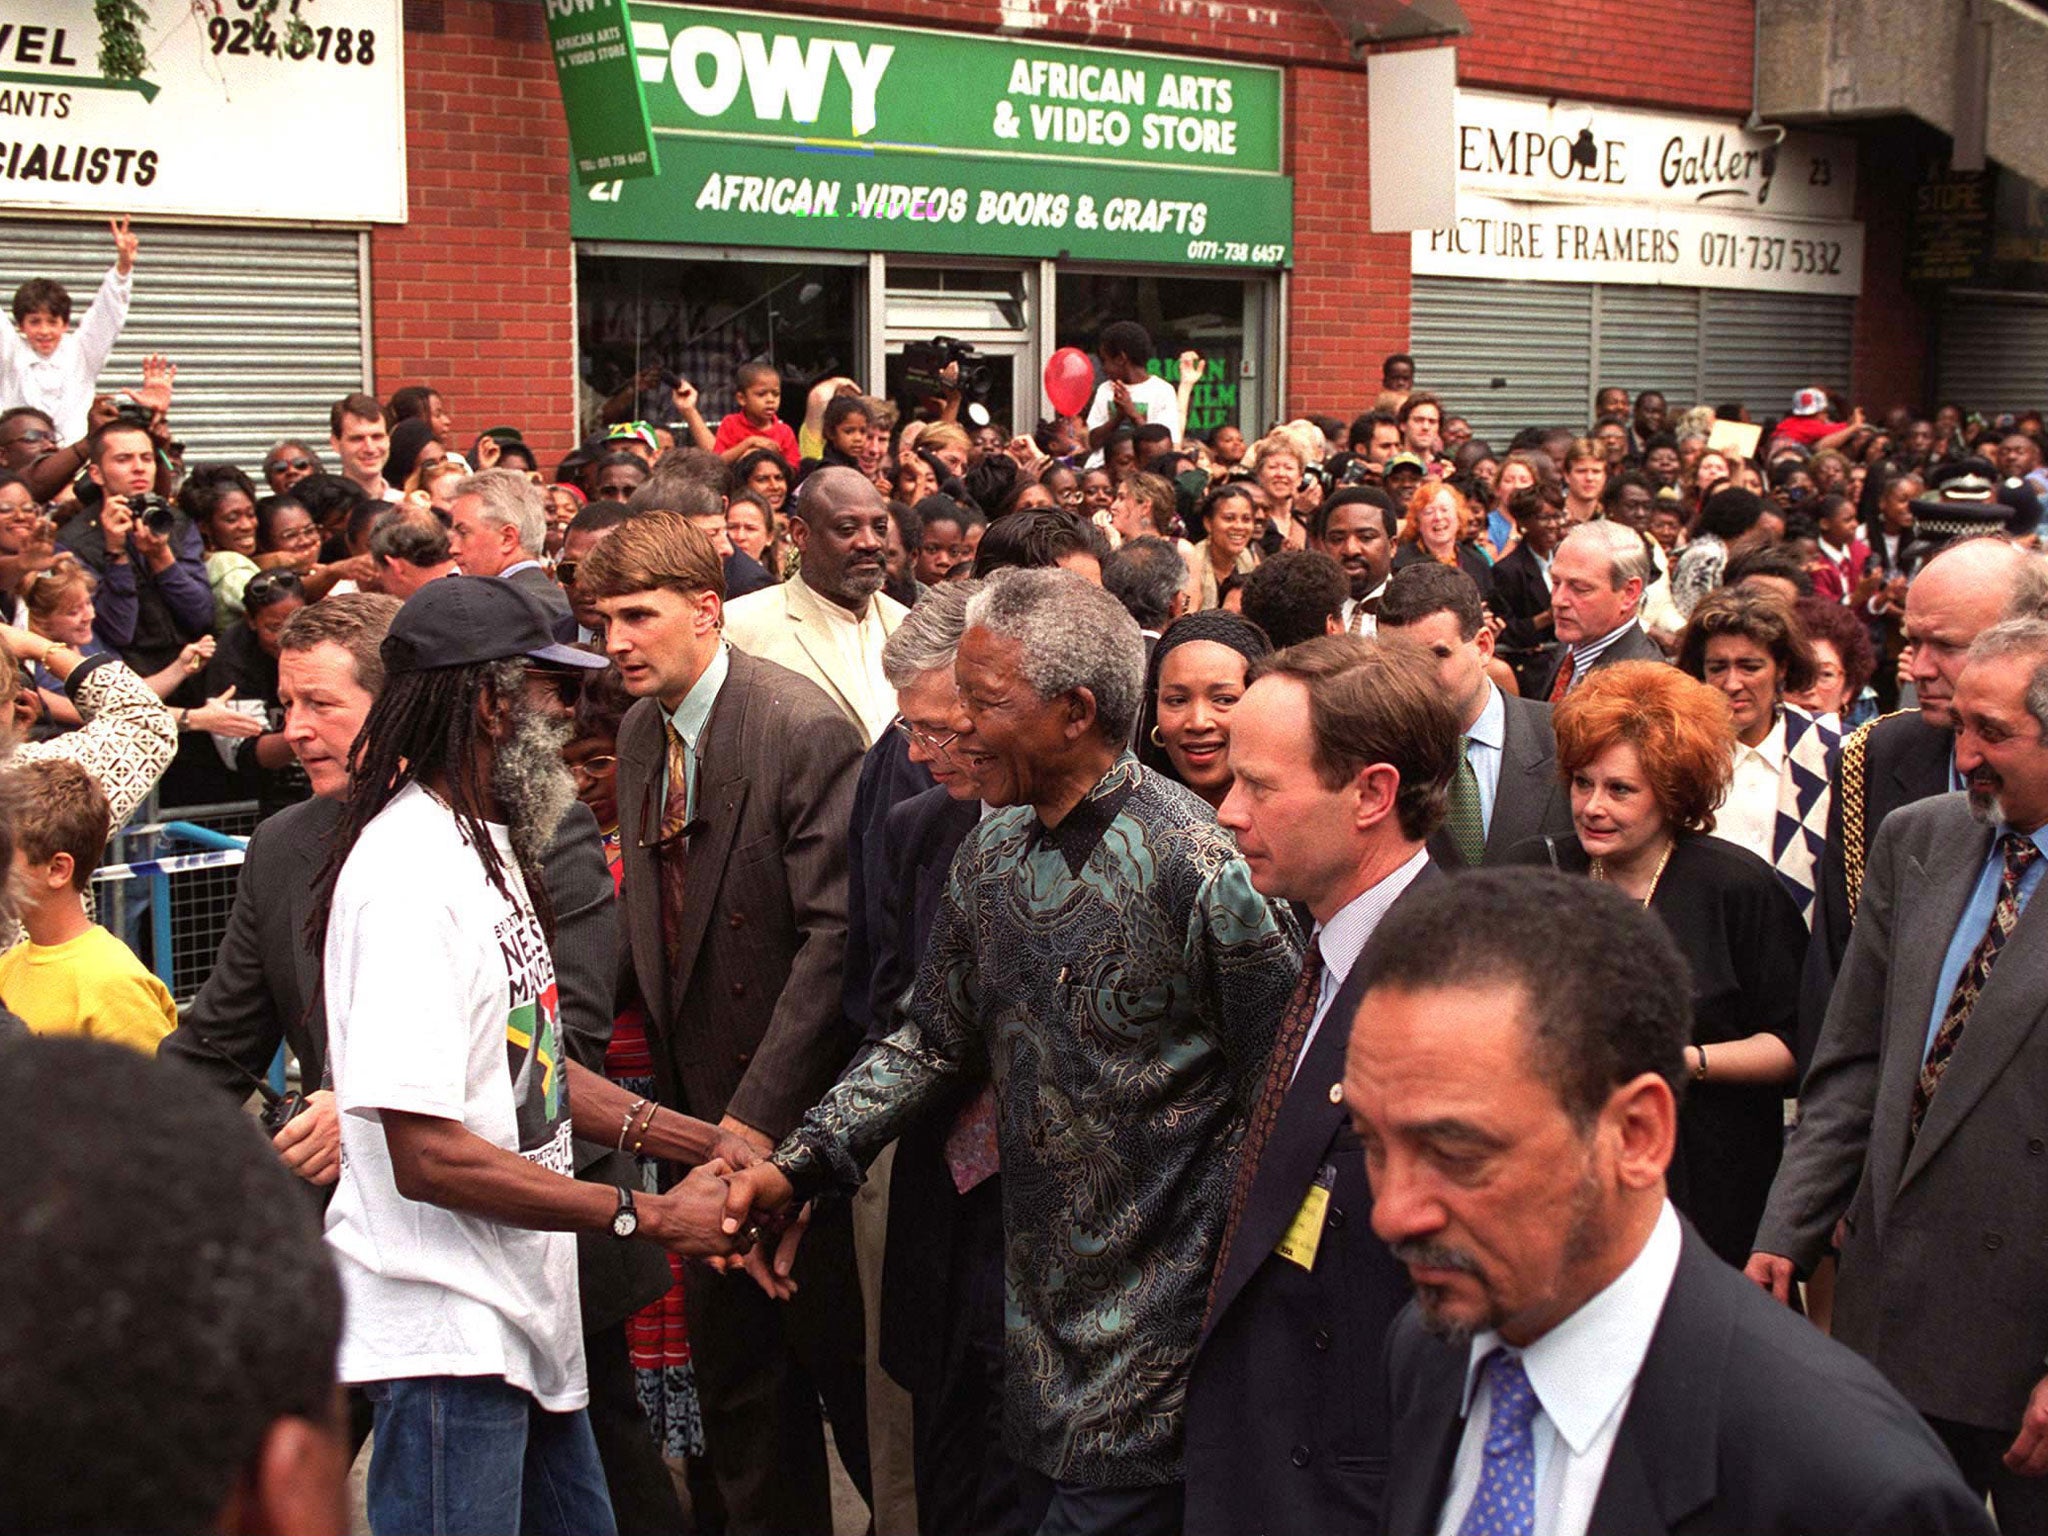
424,726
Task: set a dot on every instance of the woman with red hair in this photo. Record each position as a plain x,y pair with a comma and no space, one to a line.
1647,753
1439,520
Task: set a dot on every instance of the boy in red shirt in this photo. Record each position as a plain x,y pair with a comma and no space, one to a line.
758,389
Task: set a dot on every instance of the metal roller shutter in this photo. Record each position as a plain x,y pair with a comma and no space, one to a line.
1504,355
1649,338
1993,352
267,326
1760,347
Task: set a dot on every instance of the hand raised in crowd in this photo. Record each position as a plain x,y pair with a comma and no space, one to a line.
219,715
685,397
1192,367
104,408
125,243
310,1142
1028,459
159,373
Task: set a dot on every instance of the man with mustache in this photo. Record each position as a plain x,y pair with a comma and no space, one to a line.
1356,528
1901,758
1919,1124
1578,1360
829,623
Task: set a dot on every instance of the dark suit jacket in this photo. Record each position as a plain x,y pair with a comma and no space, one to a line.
744,574
888,778
1943,1271
264,990
543,586
749,1021
1745,1421
1904,760
1519,594
921,835
1286,1420
1634,645
1529,798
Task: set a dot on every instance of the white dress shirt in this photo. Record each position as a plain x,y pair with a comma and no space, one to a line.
1485,744
860,641
1344,937
1584,1373
1368,624
1749,816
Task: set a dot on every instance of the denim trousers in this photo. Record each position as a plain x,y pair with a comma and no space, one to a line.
473,1456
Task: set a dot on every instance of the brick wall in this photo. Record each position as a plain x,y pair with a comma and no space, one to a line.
475,294
1678,58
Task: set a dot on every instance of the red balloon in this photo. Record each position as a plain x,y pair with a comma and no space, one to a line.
1069,381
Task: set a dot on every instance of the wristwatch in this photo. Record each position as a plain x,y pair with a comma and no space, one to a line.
625,1220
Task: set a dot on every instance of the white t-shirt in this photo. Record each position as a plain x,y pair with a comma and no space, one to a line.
441,1001
1154,400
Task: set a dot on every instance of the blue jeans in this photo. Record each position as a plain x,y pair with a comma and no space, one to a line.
472,1456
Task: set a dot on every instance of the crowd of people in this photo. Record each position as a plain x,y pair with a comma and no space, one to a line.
1133,982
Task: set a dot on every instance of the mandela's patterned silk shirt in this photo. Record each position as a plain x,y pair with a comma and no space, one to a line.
1120,981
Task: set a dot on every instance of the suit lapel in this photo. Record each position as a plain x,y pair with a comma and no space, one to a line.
2005,1014
808,625
1663,1465
1426,1430
1524,787
642,767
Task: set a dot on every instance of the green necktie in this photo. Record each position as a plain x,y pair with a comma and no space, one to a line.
1467,825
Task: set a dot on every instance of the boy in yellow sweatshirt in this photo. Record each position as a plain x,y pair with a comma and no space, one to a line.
71,976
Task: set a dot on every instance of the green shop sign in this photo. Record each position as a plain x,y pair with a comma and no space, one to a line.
600,80
821,135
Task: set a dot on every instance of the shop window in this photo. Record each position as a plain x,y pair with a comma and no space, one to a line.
700,320
1207,314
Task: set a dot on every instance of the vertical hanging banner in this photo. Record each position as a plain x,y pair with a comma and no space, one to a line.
610,138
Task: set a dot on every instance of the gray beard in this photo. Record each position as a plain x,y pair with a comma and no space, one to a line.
534,790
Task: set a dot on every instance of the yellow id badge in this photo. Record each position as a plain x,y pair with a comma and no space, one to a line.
1305,1233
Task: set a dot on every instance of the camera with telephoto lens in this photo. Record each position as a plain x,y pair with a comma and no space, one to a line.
925,363
154,513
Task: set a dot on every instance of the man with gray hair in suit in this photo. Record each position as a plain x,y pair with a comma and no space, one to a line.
1920,1139
1597,578
497,525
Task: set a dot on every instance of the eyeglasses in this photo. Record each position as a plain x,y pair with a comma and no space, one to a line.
34,435
591,769
923,739
305,465
268,586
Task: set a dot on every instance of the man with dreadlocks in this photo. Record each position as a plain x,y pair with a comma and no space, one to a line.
451,1222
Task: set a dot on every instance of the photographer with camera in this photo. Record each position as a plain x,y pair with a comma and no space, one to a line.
154,598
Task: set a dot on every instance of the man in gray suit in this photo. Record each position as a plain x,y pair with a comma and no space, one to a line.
735,790
497,526
1921,1138
1507,790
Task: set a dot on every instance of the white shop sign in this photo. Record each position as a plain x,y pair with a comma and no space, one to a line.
1620,243
237,115
1578,193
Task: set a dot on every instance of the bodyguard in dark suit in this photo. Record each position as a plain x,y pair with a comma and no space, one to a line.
735,785
1577,1361
1286,1428
1909,756
1508,788
1921,1121
263,992
1597,578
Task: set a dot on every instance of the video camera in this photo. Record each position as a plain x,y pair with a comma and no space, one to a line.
925,364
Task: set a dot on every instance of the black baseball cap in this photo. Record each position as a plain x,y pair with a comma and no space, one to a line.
462,621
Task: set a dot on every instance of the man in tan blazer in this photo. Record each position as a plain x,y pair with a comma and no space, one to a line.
828,622
735,788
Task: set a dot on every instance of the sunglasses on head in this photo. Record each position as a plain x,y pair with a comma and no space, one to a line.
268,586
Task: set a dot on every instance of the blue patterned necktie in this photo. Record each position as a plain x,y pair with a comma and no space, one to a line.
1504,1503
